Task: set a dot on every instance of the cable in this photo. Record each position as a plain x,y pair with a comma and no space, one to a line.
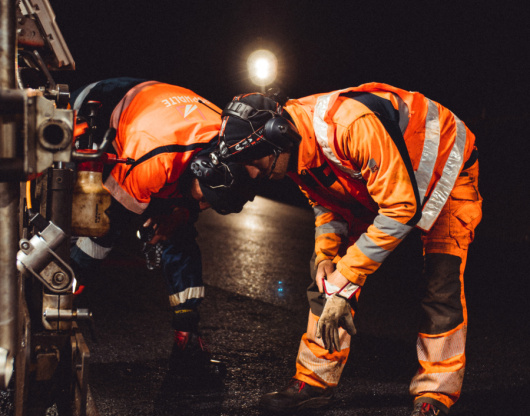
28,195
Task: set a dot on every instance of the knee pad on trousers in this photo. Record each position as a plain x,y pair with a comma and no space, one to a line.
442,305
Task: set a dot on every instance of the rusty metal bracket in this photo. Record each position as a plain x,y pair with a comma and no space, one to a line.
80,363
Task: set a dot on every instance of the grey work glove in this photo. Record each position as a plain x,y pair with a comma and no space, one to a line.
337,312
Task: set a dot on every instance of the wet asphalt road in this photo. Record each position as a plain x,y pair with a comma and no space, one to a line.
256,271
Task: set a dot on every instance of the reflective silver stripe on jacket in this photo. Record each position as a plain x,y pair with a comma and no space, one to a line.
430,149
428,158
446,182
371,250
335,226
120,195
321,133
390,227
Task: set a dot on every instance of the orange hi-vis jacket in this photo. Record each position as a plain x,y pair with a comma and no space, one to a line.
161,127
377,155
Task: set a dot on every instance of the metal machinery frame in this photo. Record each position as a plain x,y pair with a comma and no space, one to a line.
43,355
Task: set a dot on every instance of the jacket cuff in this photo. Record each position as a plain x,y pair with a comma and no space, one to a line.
353,276
321,257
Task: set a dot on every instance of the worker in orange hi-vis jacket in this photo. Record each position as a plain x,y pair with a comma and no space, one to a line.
165,132
375,161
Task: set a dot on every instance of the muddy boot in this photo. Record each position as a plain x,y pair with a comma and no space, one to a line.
426,409
191,362
189,354
296,396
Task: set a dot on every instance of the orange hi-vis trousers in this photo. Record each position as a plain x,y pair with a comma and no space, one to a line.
442,336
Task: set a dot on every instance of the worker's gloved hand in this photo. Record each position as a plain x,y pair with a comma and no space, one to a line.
336,313
163,226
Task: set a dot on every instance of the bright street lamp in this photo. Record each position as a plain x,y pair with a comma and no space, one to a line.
262,67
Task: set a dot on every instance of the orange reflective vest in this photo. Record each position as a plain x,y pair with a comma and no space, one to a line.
161,127
379,157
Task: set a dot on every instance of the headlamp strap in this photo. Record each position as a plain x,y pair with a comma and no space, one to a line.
238,109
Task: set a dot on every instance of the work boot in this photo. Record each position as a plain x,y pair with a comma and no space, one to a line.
426,409
191,357
189,353
296,396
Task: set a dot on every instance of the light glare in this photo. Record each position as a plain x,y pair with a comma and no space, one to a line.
262,67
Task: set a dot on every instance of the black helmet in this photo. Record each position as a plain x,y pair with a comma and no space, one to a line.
227,187
254,126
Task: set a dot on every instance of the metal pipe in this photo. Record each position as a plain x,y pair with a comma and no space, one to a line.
60,192
9,202
67,315
7,44
7,76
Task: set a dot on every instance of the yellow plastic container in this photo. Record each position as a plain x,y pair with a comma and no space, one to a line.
90,201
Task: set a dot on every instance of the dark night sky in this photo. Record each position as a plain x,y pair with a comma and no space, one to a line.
468,56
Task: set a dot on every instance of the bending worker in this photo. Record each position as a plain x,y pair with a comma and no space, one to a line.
375,161
162,129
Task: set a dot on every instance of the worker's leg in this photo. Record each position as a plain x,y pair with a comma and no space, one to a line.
442,337
88,252
314,364
317,371
182,269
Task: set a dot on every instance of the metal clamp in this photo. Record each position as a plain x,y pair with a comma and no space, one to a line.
37,256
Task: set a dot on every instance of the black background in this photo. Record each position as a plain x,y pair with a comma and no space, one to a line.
470,56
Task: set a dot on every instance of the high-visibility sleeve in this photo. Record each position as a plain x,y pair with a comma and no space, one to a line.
367,145
330,232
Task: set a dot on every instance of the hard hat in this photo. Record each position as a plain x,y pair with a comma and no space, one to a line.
255,126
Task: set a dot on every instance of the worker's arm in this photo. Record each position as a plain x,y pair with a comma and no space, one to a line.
368,145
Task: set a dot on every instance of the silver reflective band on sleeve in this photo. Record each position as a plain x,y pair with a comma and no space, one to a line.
430,149
321,133
123,197
196,292
371,250
445,184
336,227
392,227
319,210
94,250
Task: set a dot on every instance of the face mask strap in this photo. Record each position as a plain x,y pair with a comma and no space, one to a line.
276,156
230,174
